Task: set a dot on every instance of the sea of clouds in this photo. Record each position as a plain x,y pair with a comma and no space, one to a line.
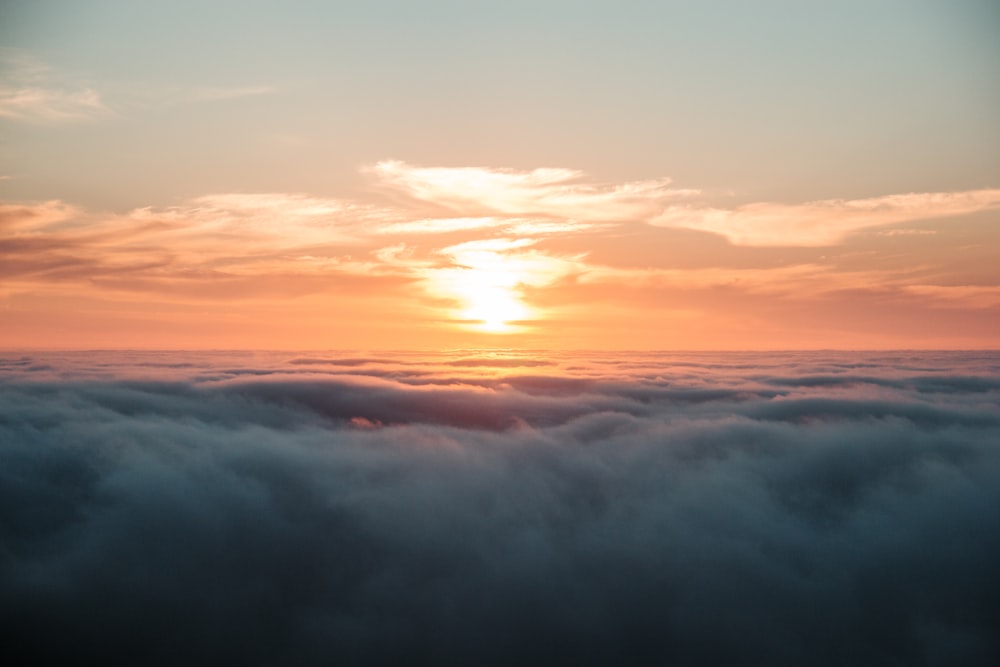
501,508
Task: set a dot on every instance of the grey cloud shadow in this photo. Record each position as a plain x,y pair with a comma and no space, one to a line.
597,522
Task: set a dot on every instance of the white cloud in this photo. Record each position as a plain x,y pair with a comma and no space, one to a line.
31,92
550,200
441,225
548,192
286,218
50,105
824,222
500,251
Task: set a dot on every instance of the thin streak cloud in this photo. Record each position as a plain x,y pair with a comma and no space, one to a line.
545,191
31,92
825,222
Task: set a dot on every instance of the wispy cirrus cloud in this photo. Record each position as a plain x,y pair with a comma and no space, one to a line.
214,236
21,219
32,92
50,105
545,202
292,218
520,259
549,192
217,246
825,222
560,200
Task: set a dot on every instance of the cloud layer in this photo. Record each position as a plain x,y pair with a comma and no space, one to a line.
501,509
465,251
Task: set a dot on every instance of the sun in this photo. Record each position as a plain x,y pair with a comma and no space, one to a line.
492,308
490,298
486,283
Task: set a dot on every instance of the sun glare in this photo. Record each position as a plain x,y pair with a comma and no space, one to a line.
493,308
489,297
486,283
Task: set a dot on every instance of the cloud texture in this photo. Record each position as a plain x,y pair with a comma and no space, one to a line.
501,509
458,252
31,92
827,222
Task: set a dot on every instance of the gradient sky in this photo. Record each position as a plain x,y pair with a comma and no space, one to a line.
724,174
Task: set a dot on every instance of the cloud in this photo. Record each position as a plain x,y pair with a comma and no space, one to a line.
221,247
50,105
27,219
562,199
32,92
825,222
443,225
502,251
298,219
640,509
271,245
551,192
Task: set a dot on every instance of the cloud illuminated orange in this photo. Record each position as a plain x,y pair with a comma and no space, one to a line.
823,222
501,252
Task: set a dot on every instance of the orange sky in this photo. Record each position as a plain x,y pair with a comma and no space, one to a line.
496,191
472,257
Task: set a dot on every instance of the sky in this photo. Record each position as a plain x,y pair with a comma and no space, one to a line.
560,175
